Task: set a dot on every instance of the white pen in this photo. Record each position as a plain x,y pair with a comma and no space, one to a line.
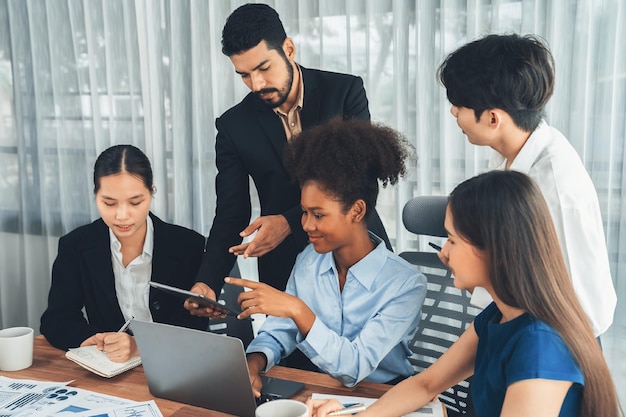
352,409
125,325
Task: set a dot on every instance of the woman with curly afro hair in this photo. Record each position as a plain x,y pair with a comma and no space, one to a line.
351,306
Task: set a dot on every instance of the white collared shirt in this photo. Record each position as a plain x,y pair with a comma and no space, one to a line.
131,282
549,159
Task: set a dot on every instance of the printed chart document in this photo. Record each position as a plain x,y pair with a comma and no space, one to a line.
89,357
141,409
432,409
21,398
20,394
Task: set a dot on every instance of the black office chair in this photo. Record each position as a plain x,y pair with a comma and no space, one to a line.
232,326
446,312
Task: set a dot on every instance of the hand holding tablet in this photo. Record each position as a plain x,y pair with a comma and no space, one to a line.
199,299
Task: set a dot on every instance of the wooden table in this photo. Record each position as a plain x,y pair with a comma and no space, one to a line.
50,364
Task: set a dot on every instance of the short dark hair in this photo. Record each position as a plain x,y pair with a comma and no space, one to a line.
510,72
250,24
122,158
348,158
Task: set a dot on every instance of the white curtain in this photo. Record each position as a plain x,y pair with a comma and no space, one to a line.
77,76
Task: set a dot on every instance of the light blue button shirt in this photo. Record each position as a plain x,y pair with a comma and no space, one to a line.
360,333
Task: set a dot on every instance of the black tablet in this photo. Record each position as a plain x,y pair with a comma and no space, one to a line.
199,299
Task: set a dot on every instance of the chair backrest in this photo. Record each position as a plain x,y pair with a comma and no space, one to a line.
446,312
425,215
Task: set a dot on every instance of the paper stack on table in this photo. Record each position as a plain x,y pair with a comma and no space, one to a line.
21,398
432,409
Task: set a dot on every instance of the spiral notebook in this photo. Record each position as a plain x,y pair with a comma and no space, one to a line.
96,361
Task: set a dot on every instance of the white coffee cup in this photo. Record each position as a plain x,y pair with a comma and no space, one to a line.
16,348
282,408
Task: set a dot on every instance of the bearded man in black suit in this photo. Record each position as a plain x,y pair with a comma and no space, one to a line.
284,99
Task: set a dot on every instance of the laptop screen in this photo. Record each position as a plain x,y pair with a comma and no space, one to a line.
201,368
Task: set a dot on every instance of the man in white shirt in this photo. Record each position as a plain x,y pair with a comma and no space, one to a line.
499,86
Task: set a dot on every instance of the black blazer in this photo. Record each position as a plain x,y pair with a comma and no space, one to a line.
250,142
82,277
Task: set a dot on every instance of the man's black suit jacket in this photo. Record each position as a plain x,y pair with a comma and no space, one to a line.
82,277
250,143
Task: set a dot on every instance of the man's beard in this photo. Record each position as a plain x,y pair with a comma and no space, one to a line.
282,96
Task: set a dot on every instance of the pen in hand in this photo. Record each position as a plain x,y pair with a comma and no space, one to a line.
125,325
348,409
435,247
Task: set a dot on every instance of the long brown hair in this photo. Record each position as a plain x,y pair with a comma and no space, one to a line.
504,214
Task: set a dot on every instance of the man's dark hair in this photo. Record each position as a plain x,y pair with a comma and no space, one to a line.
509,72
250,24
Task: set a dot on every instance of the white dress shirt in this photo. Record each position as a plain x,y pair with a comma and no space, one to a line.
131,282
549,159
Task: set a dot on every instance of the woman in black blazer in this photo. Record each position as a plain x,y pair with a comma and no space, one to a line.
101,273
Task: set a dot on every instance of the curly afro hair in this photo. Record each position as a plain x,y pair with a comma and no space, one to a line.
348,158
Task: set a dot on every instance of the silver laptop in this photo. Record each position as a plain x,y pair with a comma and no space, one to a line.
203,369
